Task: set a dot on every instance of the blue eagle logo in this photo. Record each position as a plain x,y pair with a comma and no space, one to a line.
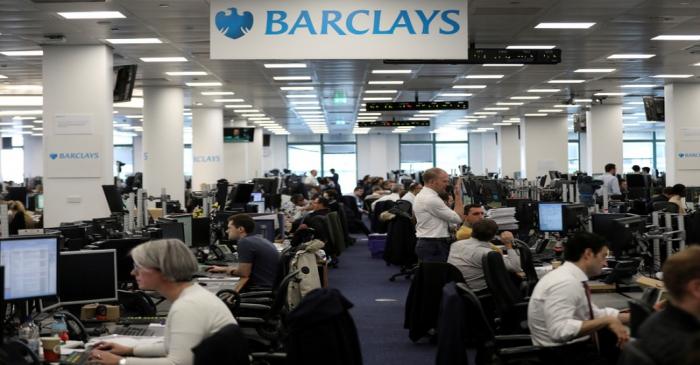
232,24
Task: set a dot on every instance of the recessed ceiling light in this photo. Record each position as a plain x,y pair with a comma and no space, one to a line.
430,111
229,100
501,124
610,94
667,76
238,106
633,86
465,87
503,65
536,114
307,107
368,114
564,25
496,108
566,81
186,73
595,70
483,76
550,111
12,100
390,72
285,65
134,40
630,56
163,59
566,106
525,97
203,84
297,88
292,78
259,119
242,111
20,112
583,100
543,90
381,91
91,15
385,82
455,95
485,113
530,47
510,104
217,93
635,103
302,96
676,38
304,102
253,115
377,99
23,53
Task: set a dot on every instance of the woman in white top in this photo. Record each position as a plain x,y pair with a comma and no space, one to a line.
167,266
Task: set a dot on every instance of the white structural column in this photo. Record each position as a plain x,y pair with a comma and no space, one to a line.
509,150
543,145
77,146
207,146
33,156
138,154
377,154
682,134
244,161
275,156
603,138
163,147
483,155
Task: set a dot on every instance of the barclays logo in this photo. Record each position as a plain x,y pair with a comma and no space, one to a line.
75,156
206,159
689,155
232,24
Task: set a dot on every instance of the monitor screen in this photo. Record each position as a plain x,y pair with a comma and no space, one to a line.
125,263
551,217
238,135
87,277
30,267
256,197
114,199
186,220
40,202
201,231
265,228
172,229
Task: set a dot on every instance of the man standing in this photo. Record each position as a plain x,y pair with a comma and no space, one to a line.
433,216
610,183
311,179
562,319
413,190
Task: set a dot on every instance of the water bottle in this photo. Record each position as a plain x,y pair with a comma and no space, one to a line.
59,328
29,332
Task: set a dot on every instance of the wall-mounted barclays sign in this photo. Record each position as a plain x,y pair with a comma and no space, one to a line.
339,29
75,156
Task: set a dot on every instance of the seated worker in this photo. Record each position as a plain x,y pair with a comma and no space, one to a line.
665,195
413,190
394,196
466,255
332,197
295,207
19,218
377,192
472,213
257,257
667,335
678,193
167,266
561,316
359,194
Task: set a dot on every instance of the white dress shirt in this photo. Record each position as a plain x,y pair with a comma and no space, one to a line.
611,184
310,180
558,306
466,255
393,197
432,215
409,197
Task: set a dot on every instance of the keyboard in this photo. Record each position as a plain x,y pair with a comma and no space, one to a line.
76,358
126,321
134,331
218,262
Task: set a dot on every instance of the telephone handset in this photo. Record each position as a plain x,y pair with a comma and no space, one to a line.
222,252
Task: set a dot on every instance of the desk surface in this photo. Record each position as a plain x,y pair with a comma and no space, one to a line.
614,300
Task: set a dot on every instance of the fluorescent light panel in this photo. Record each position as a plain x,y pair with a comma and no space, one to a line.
134,40
543,90
676,38
186,73
566,81
595,70
633,86
297,88
668,76
630,56
503,65
385,82
302,96
240,106
91,15
467,87
292,78
530,47
484,76
285,65
391,72
163,59
217,93
203,84
455,95
564,25
525,97
23,53
229,100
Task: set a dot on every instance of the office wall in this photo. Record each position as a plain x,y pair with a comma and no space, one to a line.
377,154
33,158
275,156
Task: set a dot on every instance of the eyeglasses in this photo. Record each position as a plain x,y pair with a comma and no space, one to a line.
143,270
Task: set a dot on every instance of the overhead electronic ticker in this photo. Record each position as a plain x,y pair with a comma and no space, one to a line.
395,123
485,56
404,106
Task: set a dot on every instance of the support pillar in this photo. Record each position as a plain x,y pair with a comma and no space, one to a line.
33,156
207,146
77,148
543,146
603,138
509,150
682,134
163,147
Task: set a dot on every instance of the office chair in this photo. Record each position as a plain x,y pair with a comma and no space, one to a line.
665,206
633,354
528,266
226,346
510,304
17,352
639,312
507,348
136,304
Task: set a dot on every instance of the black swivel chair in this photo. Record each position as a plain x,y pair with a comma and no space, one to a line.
665,206
16,352
227,346
528,265
633,354
639,312
510,304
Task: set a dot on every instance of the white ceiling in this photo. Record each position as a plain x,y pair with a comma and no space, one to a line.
622,26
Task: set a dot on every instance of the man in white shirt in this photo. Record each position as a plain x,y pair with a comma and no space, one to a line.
311,179
413,190
610,182
433,216
394,196
561,316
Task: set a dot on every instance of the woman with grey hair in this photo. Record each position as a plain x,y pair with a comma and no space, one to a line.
167,266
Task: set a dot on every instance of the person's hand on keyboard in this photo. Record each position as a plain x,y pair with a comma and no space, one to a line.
221,269
104,358
113,348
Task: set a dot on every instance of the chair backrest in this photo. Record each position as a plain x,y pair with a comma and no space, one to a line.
226,346
665,206
405,206
17,352
351,203
527,264
336,232
477,316
504,291
633,354
639,312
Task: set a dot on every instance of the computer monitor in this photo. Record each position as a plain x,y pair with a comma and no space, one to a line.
265,185
74,237
257,197
30,266
114,199
635,181
242,193
265,227
574,215
17,193
624,232
39,201
125,263
172,228
87,277
201,232
602,224
551,217
186,220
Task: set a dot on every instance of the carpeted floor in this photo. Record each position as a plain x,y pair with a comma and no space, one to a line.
379,308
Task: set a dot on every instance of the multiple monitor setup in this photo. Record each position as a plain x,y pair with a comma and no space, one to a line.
31,267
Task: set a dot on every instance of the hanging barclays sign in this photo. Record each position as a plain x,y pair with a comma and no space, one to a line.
336,29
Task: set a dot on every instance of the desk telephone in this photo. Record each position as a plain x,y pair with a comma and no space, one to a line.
223,252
